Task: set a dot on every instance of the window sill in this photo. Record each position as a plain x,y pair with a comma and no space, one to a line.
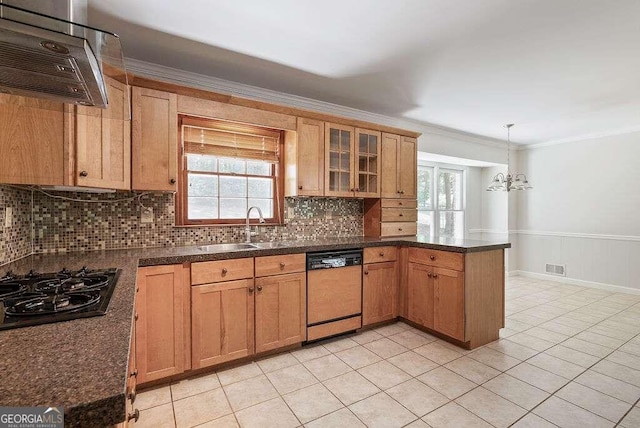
227,225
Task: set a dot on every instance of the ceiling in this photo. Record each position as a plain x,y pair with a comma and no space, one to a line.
558,69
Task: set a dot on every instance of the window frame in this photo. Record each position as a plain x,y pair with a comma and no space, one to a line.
182,194
435,195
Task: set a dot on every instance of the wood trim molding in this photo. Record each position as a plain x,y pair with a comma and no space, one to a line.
574,281
162,78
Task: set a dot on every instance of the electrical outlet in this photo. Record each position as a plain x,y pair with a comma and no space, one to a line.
8,217
147,215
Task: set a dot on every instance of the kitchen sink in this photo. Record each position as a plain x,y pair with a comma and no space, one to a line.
216,248
274,244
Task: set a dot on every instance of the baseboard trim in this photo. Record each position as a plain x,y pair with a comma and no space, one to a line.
574,281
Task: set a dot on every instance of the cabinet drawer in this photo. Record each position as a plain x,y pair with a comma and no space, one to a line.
221,270
379,254
276,265
444,259
399,203
399,214
398,229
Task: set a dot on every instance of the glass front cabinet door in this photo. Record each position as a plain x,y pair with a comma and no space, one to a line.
352,157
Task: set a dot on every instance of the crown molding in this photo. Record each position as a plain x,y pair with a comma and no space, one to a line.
592,136
227,87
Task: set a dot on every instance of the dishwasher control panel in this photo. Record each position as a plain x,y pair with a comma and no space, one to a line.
333,259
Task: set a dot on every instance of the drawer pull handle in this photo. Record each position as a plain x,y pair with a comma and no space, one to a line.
432,257
259,287
366,272
135,415
224,271
250,290
282,265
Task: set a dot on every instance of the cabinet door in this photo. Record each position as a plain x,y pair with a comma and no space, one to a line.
339,155
160,309
367,163
221,322
35,136
154,142
103,142
280,311
420,294
407,167
448,309
389,187
310,158
379,286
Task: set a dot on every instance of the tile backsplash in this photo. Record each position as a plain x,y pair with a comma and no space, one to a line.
15,239
62,226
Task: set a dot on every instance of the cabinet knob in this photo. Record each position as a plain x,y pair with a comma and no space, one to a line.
399,229
435,275
432,257
381,254
224,271
259,287
134,373
250,290
135,317
429,274
400,203
83,173
366,272
172,181
400,215
351,190
357,190
132,396
282,265
135,415
299,187
402,192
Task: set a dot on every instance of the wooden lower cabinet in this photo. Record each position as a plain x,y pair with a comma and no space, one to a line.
161,321
222,322
448,302
280,308
420,294
379,285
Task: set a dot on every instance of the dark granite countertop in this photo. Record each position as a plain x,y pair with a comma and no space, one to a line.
82,364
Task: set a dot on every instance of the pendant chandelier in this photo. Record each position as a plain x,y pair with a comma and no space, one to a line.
510,181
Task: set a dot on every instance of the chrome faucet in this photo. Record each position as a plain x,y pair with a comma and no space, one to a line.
247,228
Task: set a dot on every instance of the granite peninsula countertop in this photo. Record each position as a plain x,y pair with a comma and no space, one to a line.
82,364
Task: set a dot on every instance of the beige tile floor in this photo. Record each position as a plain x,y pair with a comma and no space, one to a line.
569,356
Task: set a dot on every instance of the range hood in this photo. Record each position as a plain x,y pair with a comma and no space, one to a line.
47,51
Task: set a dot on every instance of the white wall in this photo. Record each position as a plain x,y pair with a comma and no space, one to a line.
583,211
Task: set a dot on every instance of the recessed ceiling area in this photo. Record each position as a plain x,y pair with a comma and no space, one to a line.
557,69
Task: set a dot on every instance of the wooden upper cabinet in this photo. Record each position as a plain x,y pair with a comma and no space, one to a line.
448,302
222,321
304,159
338,160
161,312
103,142
35,139
154,140
281,311
399,166
389,160
408,168
367,163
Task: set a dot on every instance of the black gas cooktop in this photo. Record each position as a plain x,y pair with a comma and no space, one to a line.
40,298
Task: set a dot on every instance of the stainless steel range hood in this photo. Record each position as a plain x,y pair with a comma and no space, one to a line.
46,51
